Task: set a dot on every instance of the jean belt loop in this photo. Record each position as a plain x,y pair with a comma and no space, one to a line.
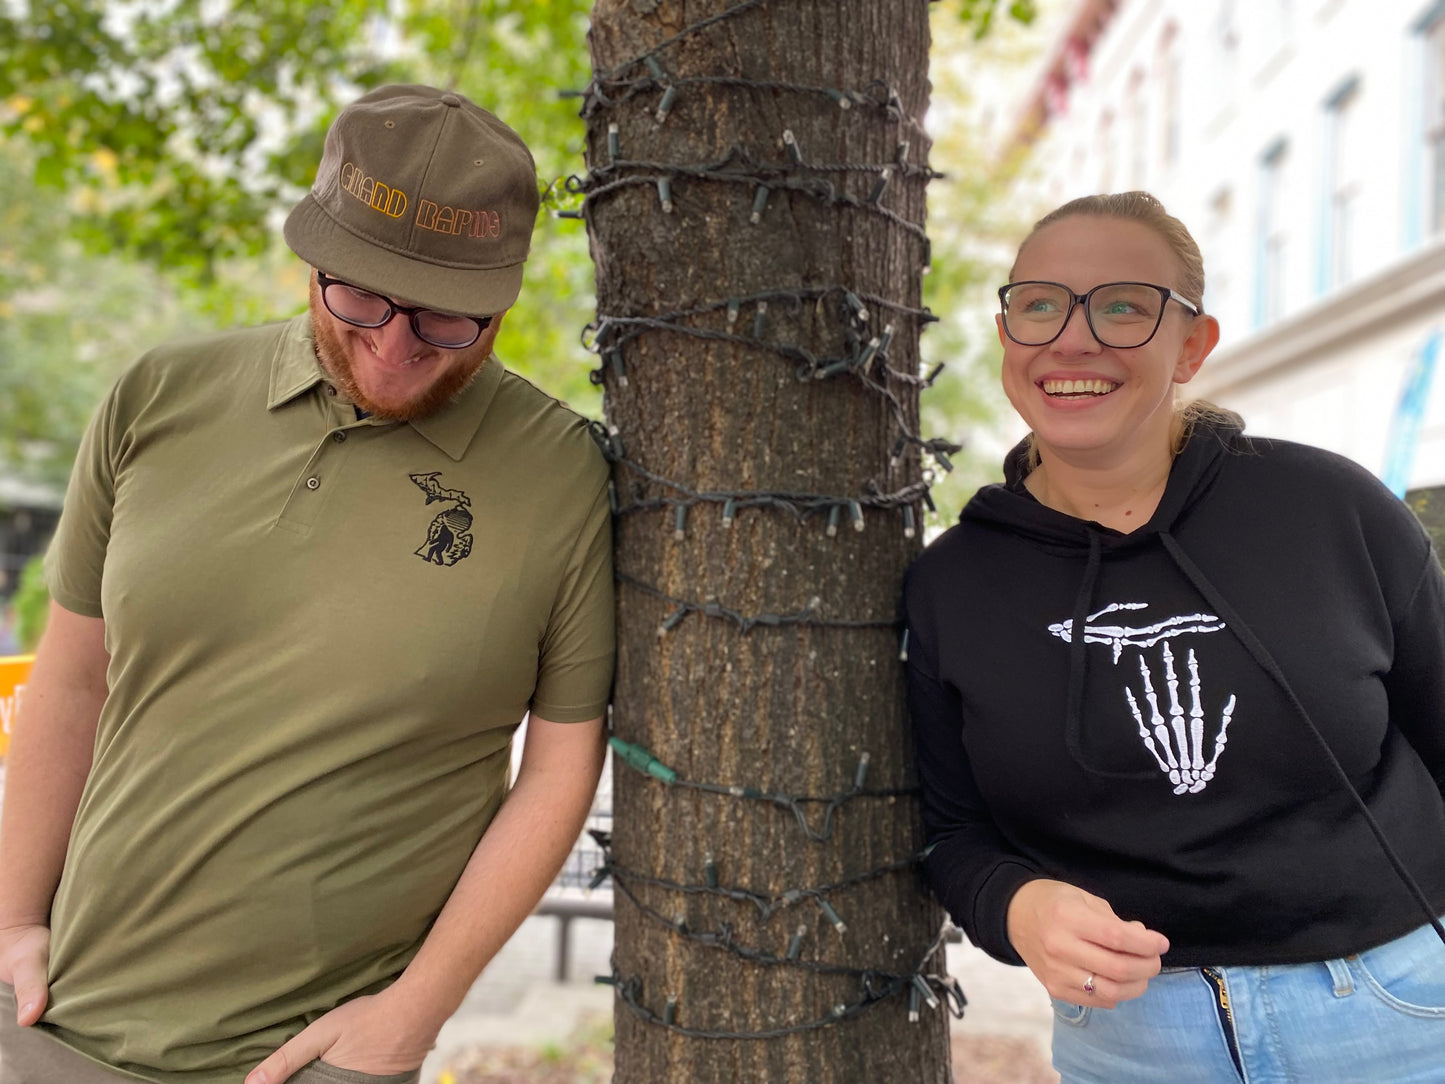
1340,973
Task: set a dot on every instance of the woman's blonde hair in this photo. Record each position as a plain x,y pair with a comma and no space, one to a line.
1143,208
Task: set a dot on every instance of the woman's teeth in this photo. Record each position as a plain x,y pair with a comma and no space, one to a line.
1072,388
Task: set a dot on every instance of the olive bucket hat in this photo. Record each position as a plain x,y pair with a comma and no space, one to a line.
423,196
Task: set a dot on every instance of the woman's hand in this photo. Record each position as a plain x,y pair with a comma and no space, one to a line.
1071,939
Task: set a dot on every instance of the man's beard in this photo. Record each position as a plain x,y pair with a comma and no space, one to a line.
335,361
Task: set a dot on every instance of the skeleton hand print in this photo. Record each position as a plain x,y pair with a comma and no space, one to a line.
1183,747
1119,637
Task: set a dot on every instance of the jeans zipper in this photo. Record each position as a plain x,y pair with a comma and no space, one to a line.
1215,978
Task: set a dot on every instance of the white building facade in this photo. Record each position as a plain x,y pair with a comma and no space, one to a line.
1303,144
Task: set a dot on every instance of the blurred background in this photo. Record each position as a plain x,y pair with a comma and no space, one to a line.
1303,143
149,150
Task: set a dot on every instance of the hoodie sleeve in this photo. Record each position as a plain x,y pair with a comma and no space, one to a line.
1415,683
970,866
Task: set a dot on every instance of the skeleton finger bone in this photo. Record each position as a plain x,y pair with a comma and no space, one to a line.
1187,770
1118,637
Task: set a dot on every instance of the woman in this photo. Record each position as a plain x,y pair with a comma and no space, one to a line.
1179,699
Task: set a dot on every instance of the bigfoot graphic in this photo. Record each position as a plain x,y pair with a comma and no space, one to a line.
447,541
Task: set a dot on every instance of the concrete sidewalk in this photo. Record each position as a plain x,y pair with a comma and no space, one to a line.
517,1001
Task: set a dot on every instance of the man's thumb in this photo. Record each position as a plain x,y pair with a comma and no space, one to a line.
31,992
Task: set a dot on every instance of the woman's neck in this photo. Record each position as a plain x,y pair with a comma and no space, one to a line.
1122,496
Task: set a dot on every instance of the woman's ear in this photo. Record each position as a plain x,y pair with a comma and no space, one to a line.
1202,339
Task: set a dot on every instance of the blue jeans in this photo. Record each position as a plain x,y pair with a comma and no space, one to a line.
1374,1018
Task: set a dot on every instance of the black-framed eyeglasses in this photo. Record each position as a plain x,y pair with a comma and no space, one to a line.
363,308
1121,315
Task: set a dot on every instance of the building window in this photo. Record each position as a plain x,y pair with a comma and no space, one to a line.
1217,227
1344,179
1106,158
1279,20
1434,126
1136,112
1169,99
1271,237
1225,41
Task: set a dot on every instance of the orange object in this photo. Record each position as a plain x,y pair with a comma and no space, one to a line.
14,672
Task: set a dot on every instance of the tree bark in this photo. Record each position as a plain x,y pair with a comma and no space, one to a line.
789,705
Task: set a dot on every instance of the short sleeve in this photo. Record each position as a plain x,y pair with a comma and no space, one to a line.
75,561
574,673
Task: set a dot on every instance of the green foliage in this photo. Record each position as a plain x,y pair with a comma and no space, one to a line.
979,14
32,604
189,119
517,59
975,222
150,158
153,148
68,320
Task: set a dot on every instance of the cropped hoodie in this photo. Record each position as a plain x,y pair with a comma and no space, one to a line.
1228,723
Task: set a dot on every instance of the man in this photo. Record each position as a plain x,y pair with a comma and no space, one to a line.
308,579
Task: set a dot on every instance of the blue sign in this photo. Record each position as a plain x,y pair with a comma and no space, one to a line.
1409,416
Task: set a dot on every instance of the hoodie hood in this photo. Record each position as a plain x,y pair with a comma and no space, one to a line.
1011,506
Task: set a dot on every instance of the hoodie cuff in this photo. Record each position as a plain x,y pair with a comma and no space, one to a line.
990,909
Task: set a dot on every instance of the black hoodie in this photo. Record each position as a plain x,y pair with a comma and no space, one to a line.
1277,626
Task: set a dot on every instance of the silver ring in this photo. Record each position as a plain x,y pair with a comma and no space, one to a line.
1089,984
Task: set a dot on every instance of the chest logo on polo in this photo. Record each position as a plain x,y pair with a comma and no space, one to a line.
447,540
1177,741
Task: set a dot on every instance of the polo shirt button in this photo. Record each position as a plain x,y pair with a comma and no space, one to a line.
313,483
330,389
340,438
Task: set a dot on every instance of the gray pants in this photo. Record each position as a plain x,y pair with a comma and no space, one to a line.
30,1056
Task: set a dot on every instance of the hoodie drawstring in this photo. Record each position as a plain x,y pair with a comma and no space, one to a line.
1078,657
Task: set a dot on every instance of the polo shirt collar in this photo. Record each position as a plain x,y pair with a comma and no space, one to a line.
295,370
452,427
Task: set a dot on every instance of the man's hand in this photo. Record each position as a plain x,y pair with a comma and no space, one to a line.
367,1035
516,859
24,959
1069,937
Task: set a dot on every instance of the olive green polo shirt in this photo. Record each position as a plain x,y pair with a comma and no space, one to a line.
323,632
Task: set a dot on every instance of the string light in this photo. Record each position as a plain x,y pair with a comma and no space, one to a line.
924,986
640,758
767,903
669,98
808,615
739,168
724,939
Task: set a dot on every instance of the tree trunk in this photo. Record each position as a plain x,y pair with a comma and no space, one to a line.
754,404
